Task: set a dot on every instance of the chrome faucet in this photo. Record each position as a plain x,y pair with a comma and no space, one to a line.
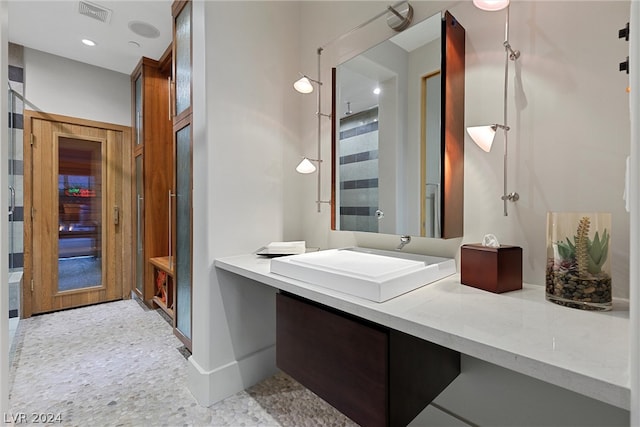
404,240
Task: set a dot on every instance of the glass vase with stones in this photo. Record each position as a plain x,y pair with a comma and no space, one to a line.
578,273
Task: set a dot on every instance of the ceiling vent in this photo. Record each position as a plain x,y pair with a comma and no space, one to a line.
94,11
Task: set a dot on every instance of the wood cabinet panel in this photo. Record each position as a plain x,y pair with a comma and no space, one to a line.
341,360
374,375
453,128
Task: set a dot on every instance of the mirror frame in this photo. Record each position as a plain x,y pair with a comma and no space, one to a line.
452,69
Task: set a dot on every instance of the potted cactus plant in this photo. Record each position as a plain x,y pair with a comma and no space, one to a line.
578,274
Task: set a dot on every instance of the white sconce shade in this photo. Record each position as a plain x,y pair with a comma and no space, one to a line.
305,166
303,85
491,5
483,136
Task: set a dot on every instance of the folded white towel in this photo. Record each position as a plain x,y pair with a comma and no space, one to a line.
286,248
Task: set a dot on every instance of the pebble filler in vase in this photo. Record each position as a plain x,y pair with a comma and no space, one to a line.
578,272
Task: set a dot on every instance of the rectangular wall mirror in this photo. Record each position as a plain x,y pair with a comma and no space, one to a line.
398,134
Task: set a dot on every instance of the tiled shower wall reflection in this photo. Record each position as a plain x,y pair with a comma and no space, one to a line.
16,174
359,171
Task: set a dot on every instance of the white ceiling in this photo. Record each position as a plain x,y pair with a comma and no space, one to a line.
56,27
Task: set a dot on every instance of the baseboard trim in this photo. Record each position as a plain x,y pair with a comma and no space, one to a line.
209,387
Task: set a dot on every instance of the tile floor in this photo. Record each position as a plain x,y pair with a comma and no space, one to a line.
118,364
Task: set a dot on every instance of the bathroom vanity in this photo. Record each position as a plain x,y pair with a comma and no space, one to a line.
517,330
375,375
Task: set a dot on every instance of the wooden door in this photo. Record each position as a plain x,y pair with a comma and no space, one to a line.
78,236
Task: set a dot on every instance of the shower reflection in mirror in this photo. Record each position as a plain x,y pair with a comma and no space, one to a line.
388,150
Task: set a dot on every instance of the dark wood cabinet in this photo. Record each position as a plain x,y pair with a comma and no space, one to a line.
374,375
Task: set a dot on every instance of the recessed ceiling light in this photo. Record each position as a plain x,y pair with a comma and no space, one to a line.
376,91
134,43
88,42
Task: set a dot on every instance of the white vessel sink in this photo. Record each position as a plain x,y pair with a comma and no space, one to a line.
367,273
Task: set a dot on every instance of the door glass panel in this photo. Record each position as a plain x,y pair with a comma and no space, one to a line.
183,231
183,59
79,213
138,108
139,225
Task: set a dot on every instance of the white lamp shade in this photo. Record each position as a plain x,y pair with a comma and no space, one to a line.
483,136
303,85
305,166
491,5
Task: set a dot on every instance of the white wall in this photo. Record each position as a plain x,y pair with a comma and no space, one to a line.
569,113
62,86
562,156
570,117
245,131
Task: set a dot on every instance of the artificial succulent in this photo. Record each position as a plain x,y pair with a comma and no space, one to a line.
589,256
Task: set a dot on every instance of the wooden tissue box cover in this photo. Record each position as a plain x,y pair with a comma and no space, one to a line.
492,269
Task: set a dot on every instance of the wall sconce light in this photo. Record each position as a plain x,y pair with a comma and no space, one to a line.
304,85
305,166
483,136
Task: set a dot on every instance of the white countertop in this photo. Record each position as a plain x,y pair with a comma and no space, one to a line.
583,351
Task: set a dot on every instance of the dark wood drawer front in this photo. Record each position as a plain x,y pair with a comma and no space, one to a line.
342,360
420,370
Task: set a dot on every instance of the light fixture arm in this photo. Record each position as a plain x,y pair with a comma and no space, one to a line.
395,12
318,82
510,54
369,21
319,116
513,54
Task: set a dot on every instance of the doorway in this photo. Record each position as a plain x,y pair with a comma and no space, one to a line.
77,236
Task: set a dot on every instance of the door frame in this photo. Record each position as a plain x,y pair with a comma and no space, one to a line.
125,273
